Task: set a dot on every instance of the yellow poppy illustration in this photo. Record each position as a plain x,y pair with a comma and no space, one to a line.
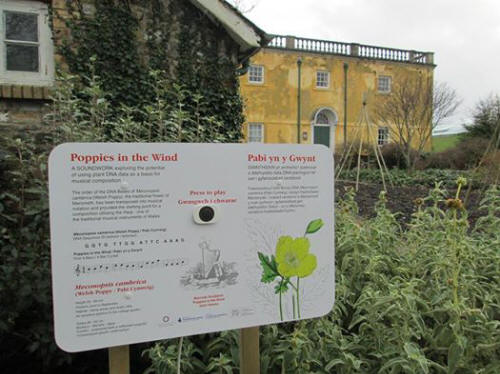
293,257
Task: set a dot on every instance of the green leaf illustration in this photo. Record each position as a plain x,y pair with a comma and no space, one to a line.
314,226
281,287
269,268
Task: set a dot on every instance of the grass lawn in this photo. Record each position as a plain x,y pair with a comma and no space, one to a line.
443,142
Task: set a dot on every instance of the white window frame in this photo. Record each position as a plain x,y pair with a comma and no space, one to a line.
382,136
332,124
321,72
256,124
45,75
384,89
250,80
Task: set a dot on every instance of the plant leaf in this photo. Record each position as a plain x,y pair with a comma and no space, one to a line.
269,268
333,363
281,287
454,354
314,226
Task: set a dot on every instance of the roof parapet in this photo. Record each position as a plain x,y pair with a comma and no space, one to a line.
294,43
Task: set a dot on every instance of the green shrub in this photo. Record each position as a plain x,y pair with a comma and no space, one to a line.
485,120
127,41
465,155
124,89
394,156
398,177
80,112
348,156
26,313
423,300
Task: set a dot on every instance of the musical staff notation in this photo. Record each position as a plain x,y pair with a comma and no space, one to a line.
81,270
133,242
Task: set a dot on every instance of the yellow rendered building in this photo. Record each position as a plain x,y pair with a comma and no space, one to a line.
335,79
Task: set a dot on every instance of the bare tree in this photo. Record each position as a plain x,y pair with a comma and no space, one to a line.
445,102
413,109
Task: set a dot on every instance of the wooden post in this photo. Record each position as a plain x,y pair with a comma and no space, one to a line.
119,360
249,351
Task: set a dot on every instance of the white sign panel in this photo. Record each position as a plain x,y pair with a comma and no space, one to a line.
154,241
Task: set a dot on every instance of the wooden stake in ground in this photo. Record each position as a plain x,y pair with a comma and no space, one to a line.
119,360
249,351
365,138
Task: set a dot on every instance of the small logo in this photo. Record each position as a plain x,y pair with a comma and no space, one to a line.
165,321
212,316
185,319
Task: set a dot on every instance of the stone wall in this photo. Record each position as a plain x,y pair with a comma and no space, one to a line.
22,113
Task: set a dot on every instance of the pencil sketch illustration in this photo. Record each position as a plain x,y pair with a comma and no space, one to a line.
211,271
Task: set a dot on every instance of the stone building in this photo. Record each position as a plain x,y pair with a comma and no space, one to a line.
32,30
336,78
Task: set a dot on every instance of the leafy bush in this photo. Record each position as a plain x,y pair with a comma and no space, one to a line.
80,112
424,300
395,157
489,168
392,153
348,156
25,317
398,177
486,119
465,155
126,42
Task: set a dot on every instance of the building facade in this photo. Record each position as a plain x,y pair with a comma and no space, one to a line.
31,32
336,80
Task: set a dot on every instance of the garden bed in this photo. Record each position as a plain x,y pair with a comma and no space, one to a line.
401,199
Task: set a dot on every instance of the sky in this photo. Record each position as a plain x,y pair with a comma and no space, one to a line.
463,34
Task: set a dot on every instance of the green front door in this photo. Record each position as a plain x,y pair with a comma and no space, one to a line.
322,135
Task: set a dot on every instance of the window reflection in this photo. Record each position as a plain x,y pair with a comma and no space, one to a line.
22,57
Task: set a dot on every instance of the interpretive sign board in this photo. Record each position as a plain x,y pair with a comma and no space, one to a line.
154,241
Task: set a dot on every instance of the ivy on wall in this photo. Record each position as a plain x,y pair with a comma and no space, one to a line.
203,70
110,35
126,42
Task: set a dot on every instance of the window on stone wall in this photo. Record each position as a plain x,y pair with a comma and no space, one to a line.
26,47
255,133
384,84
322,119
383,135
256,74
322,79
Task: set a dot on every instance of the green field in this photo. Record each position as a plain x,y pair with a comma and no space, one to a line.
443,142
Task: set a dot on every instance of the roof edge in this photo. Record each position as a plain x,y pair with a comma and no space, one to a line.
249,37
